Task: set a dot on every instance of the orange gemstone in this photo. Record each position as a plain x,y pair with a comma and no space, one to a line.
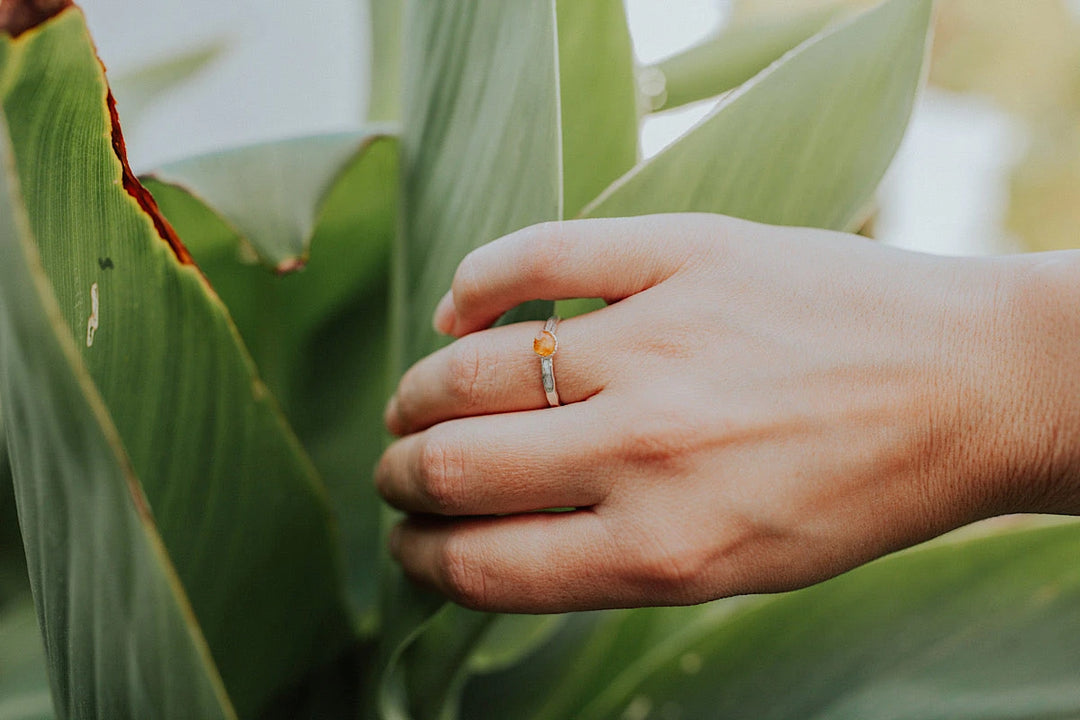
544,344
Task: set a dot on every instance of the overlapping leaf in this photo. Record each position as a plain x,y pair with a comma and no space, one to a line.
805,142
318,336
385,20
590,651
24,684
481,144
975,629
729,58
236,500
270,193
597,98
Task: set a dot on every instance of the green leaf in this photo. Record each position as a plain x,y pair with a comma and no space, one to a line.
728,59
14,583
562,104
598,98
236,500
385,27
120,637
24,683
589,651
983,629
330,692
510,638
481,157
481,147
437,662
457,643
980,629
270,193
803,143
318,336
137,90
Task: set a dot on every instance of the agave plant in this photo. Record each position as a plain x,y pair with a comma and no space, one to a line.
193,367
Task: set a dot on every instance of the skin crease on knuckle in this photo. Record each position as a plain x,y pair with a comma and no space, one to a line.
461,574
466,371
440,473
799,402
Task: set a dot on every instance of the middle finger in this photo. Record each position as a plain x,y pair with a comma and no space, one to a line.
489,465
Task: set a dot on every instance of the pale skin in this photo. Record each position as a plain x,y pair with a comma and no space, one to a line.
757,409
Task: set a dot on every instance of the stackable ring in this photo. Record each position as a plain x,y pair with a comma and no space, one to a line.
545,345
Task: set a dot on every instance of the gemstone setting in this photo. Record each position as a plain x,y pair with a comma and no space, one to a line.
545,343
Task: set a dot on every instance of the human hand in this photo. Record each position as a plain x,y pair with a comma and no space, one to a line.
758,409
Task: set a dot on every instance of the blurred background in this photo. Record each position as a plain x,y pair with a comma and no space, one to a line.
990,164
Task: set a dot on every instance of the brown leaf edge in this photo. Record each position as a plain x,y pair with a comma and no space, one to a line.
18,16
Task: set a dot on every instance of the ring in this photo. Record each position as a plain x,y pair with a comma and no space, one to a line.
545,344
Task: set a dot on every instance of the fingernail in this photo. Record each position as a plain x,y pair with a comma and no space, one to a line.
390,414
444,314
395,541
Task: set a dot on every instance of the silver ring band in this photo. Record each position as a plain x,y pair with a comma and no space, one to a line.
545,345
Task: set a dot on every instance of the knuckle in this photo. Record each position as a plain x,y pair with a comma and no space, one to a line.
544,251
671,565
464,370
441,476
665,439
463,576
680,341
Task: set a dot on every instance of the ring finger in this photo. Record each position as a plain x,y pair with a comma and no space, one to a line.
496,371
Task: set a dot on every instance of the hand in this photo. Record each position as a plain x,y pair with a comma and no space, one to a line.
757,409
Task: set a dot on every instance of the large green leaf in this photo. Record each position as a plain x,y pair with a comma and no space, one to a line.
481,146
270,193
236,500
24,684
589,651
318,336
805,142
385,39
481,157
729,58
598,98
984,630
120,637
978,629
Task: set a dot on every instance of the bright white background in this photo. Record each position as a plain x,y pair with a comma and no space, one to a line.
298,68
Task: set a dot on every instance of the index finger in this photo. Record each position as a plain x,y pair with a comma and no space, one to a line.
610,258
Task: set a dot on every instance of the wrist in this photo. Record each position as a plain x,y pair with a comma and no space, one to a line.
1027,359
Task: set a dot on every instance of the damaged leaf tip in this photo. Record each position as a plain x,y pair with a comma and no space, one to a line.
290,265
142,195
18,16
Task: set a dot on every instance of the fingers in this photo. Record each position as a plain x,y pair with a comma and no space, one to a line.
516,462
496,371
606,258
536,563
